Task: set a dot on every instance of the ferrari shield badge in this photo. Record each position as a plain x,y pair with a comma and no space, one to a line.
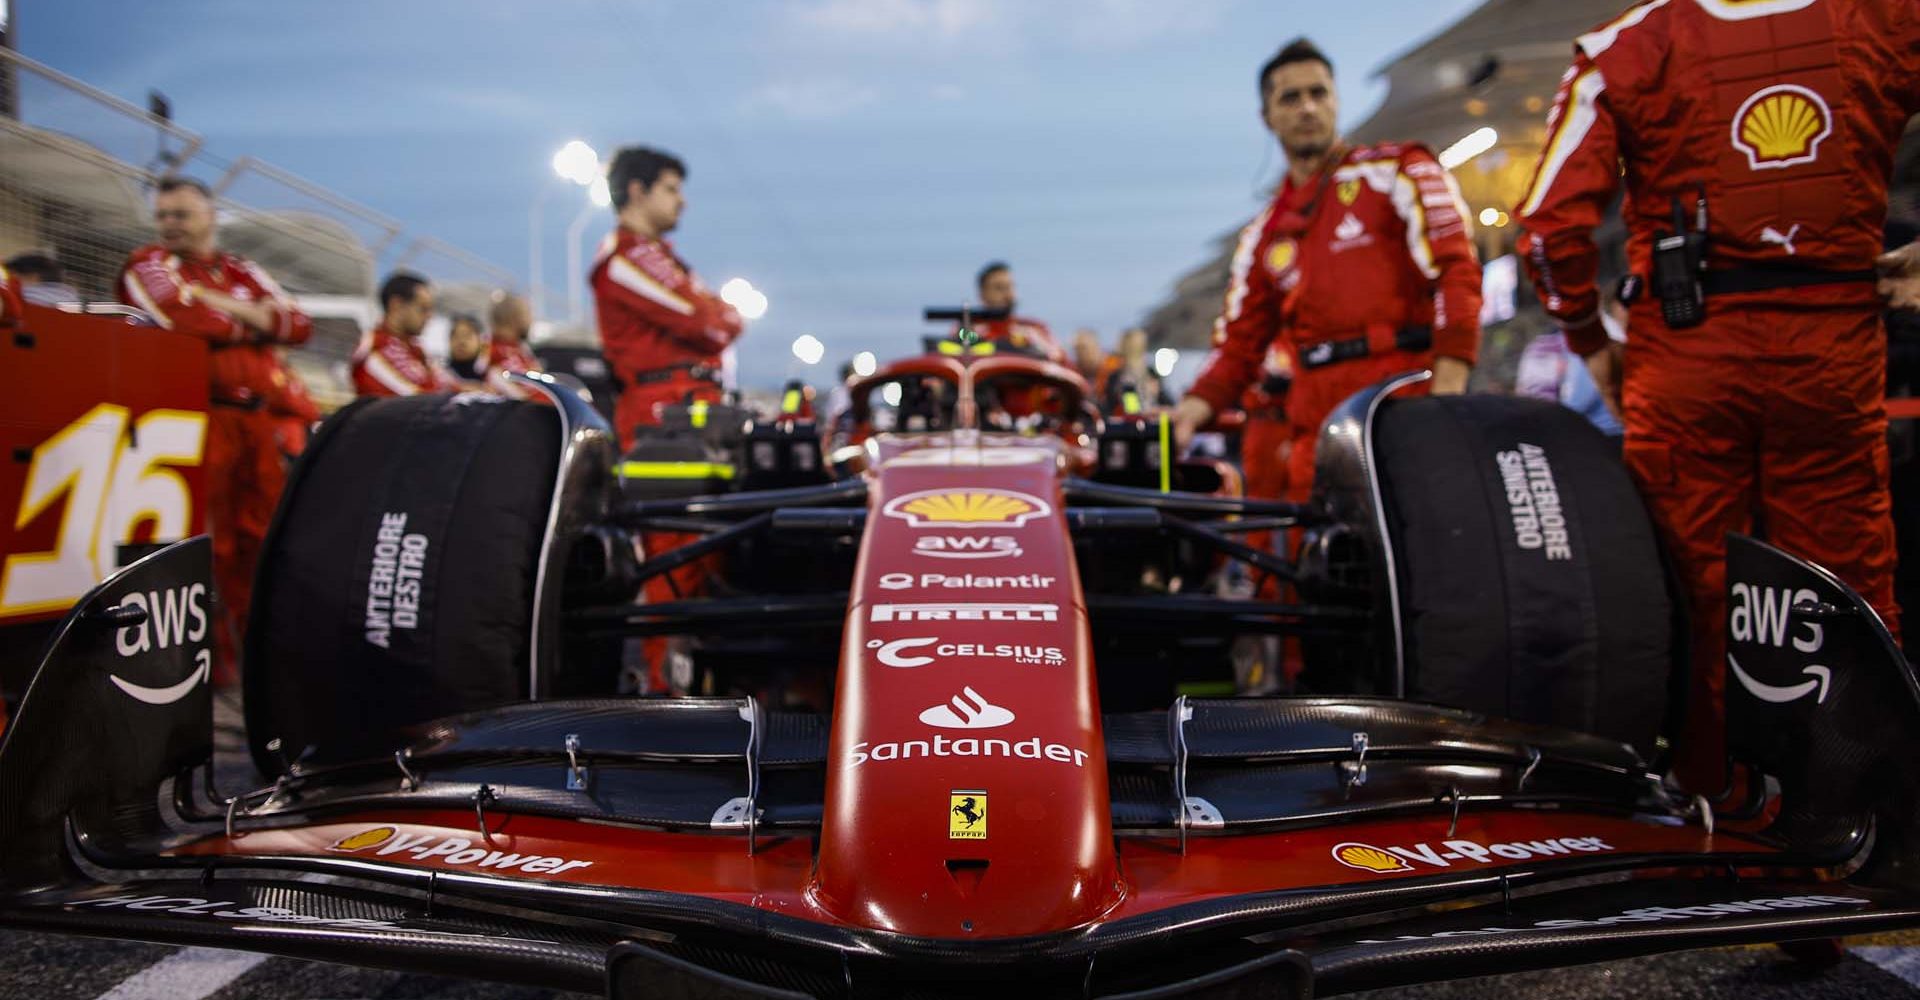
1347,191
1280,256
967,814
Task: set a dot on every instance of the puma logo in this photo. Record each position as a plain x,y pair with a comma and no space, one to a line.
1772,235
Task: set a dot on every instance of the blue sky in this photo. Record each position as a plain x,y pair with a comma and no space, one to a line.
856,159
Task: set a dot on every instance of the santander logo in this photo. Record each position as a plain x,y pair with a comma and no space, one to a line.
967,710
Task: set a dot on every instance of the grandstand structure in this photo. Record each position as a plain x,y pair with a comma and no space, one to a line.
1497,67
76,168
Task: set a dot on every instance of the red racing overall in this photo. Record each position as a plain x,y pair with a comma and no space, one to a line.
245,468
1364,272
660,327
1767,416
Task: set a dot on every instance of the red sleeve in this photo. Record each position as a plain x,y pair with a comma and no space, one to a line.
1246,326
1429,203
151,281
10,308
290,325
651,283
1572,185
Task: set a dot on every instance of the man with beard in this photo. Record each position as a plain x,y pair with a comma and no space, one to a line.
389,361
662,330
189,285
1362,265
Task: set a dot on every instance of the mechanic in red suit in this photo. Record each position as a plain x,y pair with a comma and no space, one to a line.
995,286
1266,441
389,360
1362,265
660,327
10,311
662,332
508,322
186,284
994,283
1773,122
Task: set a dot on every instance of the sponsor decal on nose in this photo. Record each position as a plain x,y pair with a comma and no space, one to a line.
967,710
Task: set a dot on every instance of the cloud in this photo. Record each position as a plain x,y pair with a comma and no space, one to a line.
948,92
1118,25
809,99
940,18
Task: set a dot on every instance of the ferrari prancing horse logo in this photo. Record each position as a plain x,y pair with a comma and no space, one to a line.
967,814
1347,191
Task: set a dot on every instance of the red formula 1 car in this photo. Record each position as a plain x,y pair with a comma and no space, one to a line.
935,737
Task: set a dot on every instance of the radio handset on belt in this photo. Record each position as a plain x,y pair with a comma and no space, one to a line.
1679,257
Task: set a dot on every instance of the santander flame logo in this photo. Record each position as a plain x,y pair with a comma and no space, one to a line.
967,710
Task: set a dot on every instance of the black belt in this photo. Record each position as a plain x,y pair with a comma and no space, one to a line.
1332,352
248,405
1762,278
697,372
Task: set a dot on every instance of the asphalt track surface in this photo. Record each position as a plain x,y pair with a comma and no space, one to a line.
57,967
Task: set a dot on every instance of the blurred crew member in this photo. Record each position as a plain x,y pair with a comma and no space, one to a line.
1266,440
188,285
661,328
292,408
1131,366
463,349
1758,385
995,285
389,360
1362,265
9,296
43,281
1088,357
507,352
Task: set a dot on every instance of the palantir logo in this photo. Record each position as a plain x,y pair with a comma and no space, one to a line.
967,710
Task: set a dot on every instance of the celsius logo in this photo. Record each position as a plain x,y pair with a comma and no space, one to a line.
967,710
965,547
901,652
966,508
893,653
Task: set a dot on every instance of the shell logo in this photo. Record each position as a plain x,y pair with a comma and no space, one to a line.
1781,125
1280,256
364,839
1368,858
966,508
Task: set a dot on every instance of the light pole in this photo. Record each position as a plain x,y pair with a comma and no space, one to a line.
577,162
598,197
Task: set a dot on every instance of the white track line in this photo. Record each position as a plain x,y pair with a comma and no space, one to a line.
1902,961
187,974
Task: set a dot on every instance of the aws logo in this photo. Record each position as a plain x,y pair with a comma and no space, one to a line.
1781,126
